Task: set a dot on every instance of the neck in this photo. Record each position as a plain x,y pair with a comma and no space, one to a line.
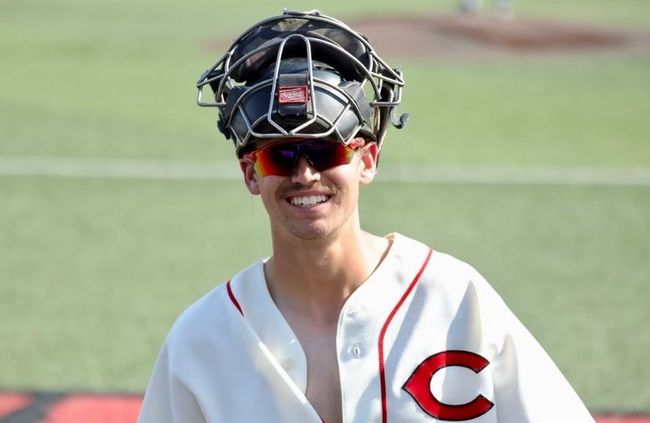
315,277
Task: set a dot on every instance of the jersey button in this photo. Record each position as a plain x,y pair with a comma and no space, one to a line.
356,350
352,312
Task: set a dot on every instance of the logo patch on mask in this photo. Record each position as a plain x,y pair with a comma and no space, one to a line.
293,95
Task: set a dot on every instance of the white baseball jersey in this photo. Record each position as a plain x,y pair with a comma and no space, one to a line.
423,339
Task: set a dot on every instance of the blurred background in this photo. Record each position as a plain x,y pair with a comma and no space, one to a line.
527,155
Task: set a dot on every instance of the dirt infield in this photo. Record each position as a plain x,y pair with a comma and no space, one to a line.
462,36
478,36
18,407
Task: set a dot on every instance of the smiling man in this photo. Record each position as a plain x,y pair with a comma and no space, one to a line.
338,325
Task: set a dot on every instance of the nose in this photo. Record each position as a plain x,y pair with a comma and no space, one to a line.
304,173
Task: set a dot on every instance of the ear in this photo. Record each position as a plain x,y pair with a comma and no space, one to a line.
369,154
250,177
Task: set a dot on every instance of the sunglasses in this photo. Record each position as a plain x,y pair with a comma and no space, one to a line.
281,158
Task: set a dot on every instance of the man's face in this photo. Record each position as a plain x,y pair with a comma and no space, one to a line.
311,204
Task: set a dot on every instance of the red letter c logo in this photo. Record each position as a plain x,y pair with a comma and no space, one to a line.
418,386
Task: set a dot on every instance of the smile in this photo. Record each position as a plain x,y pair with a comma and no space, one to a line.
308,201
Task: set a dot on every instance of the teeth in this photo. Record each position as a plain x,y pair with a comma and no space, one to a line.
308,201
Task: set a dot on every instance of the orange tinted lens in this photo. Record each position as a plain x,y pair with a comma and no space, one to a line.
281,159
275,160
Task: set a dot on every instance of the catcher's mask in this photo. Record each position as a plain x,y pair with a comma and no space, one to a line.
302,75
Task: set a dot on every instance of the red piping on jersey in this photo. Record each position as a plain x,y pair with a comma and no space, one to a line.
382,370
232,298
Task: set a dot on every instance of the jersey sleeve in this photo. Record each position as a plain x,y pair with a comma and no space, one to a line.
167,399
521,379
528,386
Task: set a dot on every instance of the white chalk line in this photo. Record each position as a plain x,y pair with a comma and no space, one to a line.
121,169
229,171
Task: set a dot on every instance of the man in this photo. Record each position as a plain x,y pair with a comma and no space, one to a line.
504,8
338,325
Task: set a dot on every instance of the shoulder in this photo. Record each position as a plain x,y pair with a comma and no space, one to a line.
206,312
444,275
449,270
209,319
435,264
465,305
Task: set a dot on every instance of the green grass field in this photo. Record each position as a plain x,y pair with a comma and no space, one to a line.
94,271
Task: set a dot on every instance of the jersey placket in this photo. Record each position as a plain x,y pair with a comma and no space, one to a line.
360,326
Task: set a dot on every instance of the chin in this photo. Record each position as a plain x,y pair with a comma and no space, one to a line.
310,234
311,231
